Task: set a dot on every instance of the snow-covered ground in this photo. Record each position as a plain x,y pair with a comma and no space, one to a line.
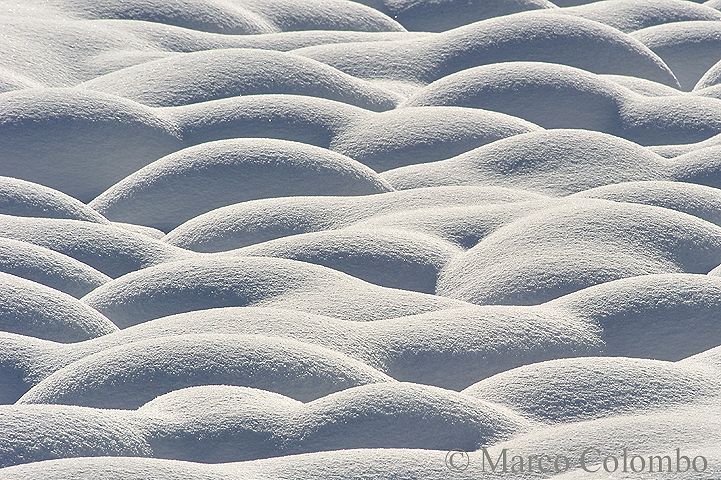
381,239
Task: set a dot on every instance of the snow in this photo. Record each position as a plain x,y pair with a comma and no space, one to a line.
260,239
196,180
632,15
211,75
257,221
32,309
671,42
157,366
528,36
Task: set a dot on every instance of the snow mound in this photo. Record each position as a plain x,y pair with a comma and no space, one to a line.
312,120
32,433
552,162
225,423
575,245
196,180
664,317
258,221
697,200
107,248
243,17
54,137
24,361
416,135
688,48
368,416
594,387
464,227
711,78
560,162
447,14
473,342
710,357
643,86
225,281
32,309
380,141
700,166
407,261
55,50
48,267
647,433
529,36
295,369
211,75
632,15
558,96
27,199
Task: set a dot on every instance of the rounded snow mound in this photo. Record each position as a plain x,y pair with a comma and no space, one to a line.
24,361
646,433
33,433
473,342
711,78
48,267
243,17
403,415
221,423
552,162
632,15
710,357
248,223
11,80
663,317
444,15
56,50
27,199
559,96
247,423
643,86
390,258
547,94
29,308
570,390
529,36
131,375
690,49
417,135
107,248
54,137
214,74
700,165
461,226
312,120
214,281
196,180
575,245
697,200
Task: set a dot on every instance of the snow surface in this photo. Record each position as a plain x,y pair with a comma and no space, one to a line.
261,239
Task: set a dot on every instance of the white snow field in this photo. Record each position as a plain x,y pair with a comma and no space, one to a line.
379,239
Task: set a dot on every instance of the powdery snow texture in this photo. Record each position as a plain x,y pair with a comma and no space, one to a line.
260,239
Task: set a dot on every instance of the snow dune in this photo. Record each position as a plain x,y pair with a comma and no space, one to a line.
338,239
529,36
190,182
248,223
215,74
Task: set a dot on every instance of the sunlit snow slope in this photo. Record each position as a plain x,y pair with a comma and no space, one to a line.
299,239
